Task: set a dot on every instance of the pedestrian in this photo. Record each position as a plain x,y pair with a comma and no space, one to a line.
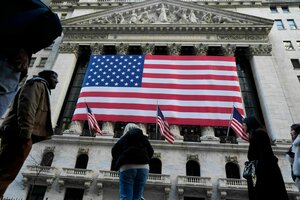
13,66
28,121
27,26
293,155
131,157
269,183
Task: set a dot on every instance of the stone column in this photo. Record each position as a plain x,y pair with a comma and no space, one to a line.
271,92
64,66
107,127
174,49
207,132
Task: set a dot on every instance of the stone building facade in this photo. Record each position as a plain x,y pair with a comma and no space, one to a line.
204,163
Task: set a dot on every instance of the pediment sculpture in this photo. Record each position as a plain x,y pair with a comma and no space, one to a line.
164,14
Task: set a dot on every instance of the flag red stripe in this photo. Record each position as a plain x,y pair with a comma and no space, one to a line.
152,107
162,96
142,119
191,87
168,57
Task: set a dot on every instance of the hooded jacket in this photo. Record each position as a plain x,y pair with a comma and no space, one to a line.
30,112
296,150
132,148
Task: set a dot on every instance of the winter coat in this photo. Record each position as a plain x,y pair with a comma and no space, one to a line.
30,113
270,183
132,148
296,150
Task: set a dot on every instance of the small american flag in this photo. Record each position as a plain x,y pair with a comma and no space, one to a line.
164,127
237,124
93,124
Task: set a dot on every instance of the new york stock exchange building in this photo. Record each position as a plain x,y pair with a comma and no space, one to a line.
206,161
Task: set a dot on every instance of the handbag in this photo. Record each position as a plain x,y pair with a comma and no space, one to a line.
249,170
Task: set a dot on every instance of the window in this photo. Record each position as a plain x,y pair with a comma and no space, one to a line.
279,24
292,24
155,166
74,194
298,44
285,9
273,9
192,168
36,192
63,15
82,161
298,78
295,63
47,159
288,45
232,170
42,62
32,60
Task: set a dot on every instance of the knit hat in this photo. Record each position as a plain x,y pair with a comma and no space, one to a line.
296,128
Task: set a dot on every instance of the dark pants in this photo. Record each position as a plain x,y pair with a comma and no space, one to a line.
13,153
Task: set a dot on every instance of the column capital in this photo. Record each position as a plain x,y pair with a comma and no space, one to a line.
69,48
174,49
147,48
122,48
228,49
261,49
201,49
97,48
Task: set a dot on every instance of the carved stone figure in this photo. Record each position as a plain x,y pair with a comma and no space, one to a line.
133,18
163,14
192,17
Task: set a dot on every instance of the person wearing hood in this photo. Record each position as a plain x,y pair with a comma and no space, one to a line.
131,157
293,155
28,121
269,183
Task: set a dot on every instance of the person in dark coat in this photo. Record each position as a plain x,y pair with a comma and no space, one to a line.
28,121
269,183
131,157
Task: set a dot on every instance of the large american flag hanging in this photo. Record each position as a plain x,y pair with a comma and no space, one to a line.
192,90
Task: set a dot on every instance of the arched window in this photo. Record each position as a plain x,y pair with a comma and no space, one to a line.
192,168
82,161
232,170
47,159
155,166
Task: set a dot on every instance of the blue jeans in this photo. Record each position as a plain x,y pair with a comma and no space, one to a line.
132,182
9,81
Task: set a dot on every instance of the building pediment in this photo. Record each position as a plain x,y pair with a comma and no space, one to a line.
169,13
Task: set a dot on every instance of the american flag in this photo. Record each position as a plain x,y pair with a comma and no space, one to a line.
93,124
164,127
237,124
191,90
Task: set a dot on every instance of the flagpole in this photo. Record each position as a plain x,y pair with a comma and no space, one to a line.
156,125
229,123
87,118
